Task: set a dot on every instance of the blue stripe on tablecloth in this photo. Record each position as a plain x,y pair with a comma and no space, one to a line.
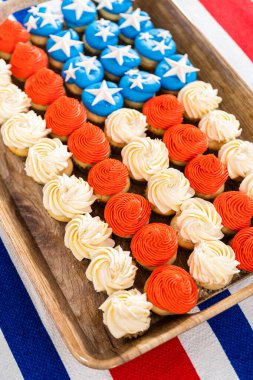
27,338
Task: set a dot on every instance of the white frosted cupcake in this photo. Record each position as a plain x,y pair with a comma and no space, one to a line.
22,131
5,73
12,101
246,186
84,235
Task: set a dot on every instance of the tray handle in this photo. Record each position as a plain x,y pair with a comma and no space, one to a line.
11,6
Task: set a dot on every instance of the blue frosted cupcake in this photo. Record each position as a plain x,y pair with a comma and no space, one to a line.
138,87
100,34
153,46
78,13
111,9
62,46
176,72
119,59
101,99
132,23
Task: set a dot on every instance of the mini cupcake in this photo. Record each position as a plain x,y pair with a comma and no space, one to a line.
84,235
171,290
125,125
47,159
162,113
109,177
176,72
44,87
154,245
184,142
66,197
207,176
22,131
26,60
62,46
145,157
99,35
64,116
220,127
198,98
78,14
132,23
153,46
246,186
80,72
242,244
127,213
126,313
12,101
212,264
5,73
88,145
167,190
101,99
111,9
138,87
111,269
235,209
11,32
116,60
197,220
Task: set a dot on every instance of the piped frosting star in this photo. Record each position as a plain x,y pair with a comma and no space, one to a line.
133,19
104,93
79,6
87,63
104,33
179,68
70,72
64,43
32,23
146,36
119,53
105,4
160,46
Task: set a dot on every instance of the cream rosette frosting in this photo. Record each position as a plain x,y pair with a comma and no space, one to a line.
126,313
145,157
168,189
111,269
237,155
212,264
12,101
84,235
198,98
246,186
5,73
46,159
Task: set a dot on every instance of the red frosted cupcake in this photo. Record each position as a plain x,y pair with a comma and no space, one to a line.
242,244
44,87
235,209
207,176
127,213
109,177
64,116
184,142
11,32
162,113
88,145
154,245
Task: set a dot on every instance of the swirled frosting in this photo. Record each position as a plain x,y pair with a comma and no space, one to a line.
163,111
44,87
154,244
12,101
235,208
206,174
65,115
198,98
198,221
242,244
220,126
111,269
126,312
237,155
89,144
84,235
5,73
126,213
124,125
172,289
184,142
12,32
246,186
46,159
23,130
144,157
168,189
212,264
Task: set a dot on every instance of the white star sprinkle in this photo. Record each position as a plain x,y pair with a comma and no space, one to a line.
137,82
104,33
146,36
179,68
64,43
87,63
119,53
160,46
103,22
70,72
34,10
132,72
133,19
49,18
104,93
105,4
32,23
154,77
79,6
164,34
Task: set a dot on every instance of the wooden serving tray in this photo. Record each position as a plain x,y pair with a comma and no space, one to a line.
37,239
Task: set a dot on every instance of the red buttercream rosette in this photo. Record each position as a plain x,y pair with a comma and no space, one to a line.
12,32
242,245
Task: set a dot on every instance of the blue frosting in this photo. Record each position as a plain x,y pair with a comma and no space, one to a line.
102,108
112,66
70,14
45,30
146,46
131,32
119,6
173,83
97,42
59,55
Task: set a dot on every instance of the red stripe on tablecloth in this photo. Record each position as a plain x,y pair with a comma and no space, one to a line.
166,362
236,17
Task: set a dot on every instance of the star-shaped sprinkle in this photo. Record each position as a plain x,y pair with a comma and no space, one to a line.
132,72
49,18
104,33
164,34
87,63
32,23
160,46
105,4
70,72
137,82
179,68
154,77
133,19
119,53
104,93
64,43
79,6
146,36
103,22
34,10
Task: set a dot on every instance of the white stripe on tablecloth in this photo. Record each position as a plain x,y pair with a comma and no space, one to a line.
8,366
246,305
